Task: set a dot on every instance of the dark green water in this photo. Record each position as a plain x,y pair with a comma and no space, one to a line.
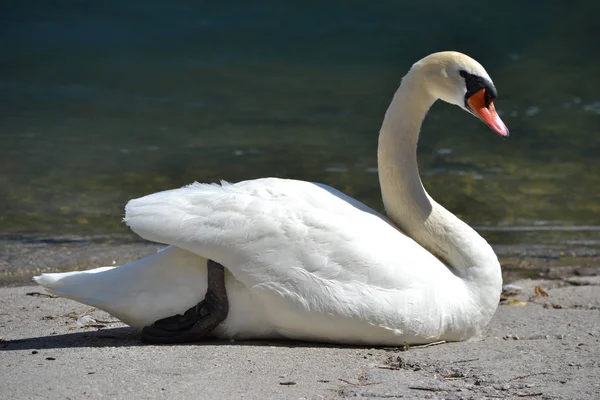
105,101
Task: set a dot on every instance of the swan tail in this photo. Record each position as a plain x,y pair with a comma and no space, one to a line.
138,293
74,285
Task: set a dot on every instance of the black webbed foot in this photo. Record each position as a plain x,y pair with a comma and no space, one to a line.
199,320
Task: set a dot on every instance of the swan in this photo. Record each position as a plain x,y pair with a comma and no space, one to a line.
301,260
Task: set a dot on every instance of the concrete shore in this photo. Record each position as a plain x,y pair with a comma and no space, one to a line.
542,347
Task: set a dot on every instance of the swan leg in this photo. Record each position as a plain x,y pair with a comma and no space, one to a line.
199,320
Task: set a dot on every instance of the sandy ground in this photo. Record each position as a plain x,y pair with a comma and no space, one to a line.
536,347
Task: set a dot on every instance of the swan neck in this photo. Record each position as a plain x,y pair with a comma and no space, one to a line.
404,196
409,206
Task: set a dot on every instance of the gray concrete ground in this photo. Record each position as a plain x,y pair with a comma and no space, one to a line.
536,347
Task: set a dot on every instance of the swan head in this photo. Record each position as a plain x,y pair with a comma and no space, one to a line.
458,79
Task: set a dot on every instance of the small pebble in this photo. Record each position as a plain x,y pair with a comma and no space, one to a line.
50,358
34,352
539,337
510,288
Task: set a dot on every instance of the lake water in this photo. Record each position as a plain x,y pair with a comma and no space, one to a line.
105,101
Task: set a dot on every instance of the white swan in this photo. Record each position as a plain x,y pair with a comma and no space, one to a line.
303,260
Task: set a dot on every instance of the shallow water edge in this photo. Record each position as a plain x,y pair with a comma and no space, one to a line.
22,259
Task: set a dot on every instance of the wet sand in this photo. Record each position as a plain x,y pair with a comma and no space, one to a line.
20,260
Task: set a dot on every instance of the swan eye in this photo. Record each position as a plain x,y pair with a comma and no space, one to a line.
474,84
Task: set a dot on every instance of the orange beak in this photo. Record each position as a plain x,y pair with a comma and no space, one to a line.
488,114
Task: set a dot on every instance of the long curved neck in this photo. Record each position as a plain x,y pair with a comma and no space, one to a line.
410,207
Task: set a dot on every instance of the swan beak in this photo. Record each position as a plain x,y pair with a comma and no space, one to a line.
487,112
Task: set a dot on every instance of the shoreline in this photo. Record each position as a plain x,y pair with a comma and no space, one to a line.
22,259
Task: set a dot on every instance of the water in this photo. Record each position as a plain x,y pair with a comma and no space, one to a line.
101,102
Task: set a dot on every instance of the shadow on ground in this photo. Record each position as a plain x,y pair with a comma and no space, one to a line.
129,337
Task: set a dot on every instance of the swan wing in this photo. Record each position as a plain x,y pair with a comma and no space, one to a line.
306,242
